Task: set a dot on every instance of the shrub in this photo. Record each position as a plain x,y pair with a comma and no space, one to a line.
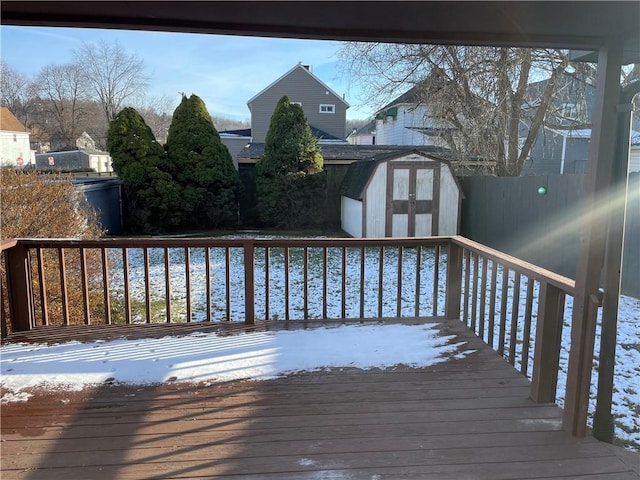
203,168
48,206
152,200
290,182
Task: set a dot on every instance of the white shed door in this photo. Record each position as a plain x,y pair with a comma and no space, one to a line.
412,199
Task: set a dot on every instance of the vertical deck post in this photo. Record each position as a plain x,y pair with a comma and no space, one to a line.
249,284
548,339
593,236
19,288
454,281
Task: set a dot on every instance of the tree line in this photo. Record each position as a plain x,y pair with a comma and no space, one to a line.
84,95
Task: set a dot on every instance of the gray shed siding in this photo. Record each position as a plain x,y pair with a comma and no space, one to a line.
299,86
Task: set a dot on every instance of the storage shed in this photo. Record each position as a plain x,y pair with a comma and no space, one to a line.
406,194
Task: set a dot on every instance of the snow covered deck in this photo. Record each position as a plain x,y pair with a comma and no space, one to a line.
467,417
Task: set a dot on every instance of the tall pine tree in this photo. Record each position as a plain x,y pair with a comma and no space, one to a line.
151,197
290,182
203,168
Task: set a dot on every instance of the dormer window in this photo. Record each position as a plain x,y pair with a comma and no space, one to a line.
327,108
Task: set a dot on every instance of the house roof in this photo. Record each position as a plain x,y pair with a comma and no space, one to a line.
359,173
310,73
367,129
243,132
9,122
346,151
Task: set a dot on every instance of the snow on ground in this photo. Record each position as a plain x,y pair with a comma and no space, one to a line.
210,357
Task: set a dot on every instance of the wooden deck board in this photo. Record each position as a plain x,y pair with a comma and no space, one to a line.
467,418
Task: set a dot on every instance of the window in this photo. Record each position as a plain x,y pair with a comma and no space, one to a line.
296,103
327,108
15,137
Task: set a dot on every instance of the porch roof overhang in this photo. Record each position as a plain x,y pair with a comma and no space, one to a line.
556,24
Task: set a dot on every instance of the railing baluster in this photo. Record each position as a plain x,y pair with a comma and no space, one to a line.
418,266
286,283
127,292
467,288
63,287
267,290
344,283
483,298
325,281
207,270
85,287
167,284
362,273
249,283
147,286
399,283
474,294
44,306
436,279
106,290
515,311
503,310
305,282
380,279
227,283
492,303
187,279
526,336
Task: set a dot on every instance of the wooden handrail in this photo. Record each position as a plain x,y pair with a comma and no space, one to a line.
538,273
473,289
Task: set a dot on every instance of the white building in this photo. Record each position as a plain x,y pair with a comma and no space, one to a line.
15,149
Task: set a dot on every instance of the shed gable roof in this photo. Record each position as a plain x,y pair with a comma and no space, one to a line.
9,122
357,177
310,73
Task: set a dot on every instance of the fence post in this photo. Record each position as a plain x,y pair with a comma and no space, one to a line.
249,284
548,339
454,281
19,288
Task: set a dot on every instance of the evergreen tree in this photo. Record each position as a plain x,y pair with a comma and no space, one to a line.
290,182
151,197
202,166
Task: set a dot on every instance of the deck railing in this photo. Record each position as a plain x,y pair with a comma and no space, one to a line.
515,307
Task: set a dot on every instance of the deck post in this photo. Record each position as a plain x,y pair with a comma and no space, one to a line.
249,284
548,341
454,281
593,236
19,288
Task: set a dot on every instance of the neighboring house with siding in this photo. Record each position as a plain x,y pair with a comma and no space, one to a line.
326,111
365,135
407,121
15,148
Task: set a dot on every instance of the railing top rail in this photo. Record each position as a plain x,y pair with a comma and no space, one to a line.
7,244
179,242
538,273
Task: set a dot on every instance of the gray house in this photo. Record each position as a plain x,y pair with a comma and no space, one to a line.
326,111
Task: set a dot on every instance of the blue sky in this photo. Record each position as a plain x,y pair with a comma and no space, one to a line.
225,71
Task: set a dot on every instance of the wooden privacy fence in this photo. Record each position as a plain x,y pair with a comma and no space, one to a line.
515,307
